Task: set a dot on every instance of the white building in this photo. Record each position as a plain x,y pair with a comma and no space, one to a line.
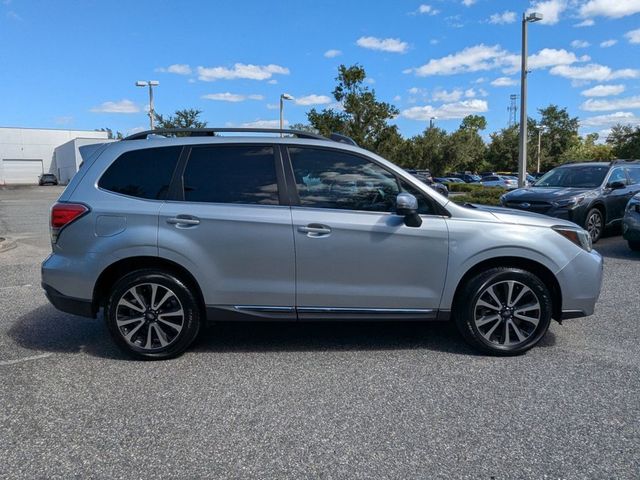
26,153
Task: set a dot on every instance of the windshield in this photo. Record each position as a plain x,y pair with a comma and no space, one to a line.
576,177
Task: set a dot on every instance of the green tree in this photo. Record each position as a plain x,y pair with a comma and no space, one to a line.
186,118
625,141
363,118
110,134
502,152
561,133
466,149
586,149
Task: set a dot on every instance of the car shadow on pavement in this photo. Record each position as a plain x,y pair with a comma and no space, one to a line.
45,329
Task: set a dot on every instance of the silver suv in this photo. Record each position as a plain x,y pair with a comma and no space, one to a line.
165,232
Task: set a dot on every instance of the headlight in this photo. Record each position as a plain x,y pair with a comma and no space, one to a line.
577,235
570,202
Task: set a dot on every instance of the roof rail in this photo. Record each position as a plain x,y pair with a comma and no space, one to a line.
622,160
209,132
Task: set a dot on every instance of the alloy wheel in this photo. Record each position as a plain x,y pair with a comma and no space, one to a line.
149,316
507,313
594,225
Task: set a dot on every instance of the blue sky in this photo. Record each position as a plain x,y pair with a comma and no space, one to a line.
71,64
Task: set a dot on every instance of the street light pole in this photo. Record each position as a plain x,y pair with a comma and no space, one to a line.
540,129
432,122
283,97
150,84
522,149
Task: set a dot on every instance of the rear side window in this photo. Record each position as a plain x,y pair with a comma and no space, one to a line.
142,173
231,174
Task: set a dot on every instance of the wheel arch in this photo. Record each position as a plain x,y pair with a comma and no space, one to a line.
118,269
538,269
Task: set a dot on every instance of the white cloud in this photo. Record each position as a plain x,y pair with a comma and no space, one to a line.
434,41
447,111
265,124
425,9
580,44
177,68
608,43
483,57
393,45
633,36
610,8
504,82
593,72
603,91
585,23
241,70
550,10
397,98
614,104
313,100
231,97
468,3
504,17
446,96
122,106
610,119
273,81
332,53
471,59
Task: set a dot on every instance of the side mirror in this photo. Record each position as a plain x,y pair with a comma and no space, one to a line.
407,206
616,185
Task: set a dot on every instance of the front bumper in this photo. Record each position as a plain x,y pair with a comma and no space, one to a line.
631,226
580,283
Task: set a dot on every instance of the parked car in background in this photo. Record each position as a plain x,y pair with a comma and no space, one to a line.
631,223
466,177
508,183
530,179
47,179
163,233
425,177
592,194
453,180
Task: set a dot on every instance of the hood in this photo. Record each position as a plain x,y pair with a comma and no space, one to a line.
519,217
548,194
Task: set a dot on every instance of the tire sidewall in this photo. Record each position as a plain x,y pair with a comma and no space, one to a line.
189,305
465,314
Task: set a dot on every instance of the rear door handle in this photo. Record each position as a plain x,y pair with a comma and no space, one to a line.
315,230
183,220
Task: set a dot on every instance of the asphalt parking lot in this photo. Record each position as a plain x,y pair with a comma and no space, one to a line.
310,400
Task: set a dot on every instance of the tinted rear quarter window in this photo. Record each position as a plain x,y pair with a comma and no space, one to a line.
231,174
144,173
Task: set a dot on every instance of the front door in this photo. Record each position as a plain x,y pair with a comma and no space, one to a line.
355,258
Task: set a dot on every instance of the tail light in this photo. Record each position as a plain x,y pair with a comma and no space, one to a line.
63,214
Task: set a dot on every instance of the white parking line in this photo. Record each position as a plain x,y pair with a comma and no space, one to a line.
24,359
16,286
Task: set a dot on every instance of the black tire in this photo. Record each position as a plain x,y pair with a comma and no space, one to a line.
168,327
594,224
487,337
634,245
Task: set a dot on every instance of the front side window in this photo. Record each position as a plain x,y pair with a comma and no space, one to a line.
618,175
339,180
231,174
144,173
634,174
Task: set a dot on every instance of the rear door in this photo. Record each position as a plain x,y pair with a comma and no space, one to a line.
617,199
354,256
229,223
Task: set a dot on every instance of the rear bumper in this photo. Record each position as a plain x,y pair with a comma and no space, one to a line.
580,283
62,302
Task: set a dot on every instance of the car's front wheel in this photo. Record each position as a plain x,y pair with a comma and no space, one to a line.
503,311
594,224
152,314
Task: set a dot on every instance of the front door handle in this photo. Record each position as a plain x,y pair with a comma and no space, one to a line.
183,220
315,230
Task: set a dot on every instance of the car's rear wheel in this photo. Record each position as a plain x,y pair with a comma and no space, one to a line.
152,314
594,224
503,311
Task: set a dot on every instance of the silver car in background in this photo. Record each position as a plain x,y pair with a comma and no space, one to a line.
163,233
